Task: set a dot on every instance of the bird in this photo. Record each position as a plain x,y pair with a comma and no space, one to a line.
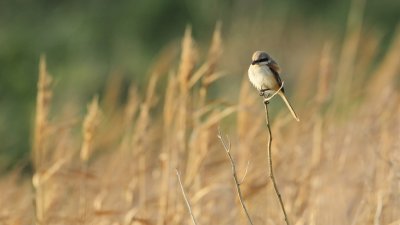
264,75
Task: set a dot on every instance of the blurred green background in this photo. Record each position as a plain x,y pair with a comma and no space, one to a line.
85,41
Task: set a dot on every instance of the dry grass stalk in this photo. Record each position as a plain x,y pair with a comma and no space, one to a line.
388,69
140,134
378,212
151,96
187,64
138,146
170,103
216,49
325,72
43,101
198,148
366,57
214,54
188,60
227,147
131,107
349,52
89,126
186,199
168,161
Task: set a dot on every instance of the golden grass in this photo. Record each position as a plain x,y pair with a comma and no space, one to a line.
39,150
331,169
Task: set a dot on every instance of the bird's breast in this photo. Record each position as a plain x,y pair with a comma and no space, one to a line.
262,77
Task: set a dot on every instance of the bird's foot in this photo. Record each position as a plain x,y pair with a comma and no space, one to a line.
262,92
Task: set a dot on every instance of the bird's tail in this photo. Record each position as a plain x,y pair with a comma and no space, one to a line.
288,105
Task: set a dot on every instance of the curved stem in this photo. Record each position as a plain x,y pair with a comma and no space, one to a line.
227,147
271,171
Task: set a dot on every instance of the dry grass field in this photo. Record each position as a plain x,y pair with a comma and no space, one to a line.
116,165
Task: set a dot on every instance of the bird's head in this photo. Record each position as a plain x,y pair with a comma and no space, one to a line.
260,57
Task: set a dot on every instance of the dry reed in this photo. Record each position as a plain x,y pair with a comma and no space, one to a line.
43,101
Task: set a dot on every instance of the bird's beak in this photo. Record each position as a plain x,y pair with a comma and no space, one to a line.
253,62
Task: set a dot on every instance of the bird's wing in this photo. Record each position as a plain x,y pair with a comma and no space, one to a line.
274,67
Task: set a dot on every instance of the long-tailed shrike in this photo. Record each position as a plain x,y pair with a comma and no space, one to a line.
264,75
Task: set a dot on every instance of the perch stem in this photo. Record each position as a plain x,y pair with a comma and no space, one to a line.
271,171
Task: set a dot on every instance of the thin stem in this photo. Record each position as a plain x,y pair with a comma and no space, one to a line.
227,148
186,199
245,172
271,171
